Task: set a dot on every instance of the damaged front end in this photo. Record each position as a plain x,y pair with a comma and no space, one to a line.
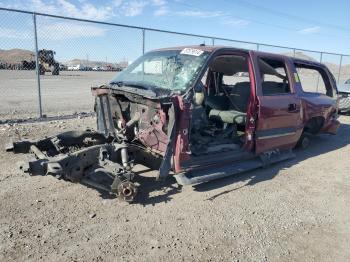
131,129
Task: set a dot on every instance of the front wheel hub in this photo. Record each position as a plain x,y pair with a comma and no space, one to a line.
127,191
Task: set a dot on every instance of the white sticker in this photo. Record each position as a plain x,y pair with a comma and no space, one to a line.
192,51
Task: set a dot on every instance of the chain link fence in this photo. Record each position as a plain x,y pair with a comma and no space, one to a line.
74,54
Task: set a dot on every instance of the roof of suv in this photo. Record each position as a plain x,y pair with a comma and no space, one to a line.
211,48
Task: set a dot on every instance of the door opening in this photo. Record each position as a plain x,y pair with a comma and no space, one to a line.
220,106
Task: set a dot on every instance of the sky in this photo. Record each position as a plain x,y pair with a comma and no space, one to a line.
307,24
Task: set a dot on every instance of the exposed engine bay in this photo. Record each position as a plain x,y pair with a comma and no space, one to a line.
134,119
130,130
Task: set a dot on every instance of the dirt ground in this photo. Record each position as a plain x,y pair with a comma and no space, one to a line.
293,211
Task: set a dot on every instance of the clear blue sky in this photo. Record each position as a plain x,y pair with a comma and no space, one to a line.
307,24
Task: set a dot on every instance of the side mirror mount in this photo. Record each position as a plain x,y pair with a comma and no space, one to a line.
198,97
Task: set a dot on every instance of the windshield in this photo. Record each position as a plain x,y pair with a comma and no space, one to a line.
171,69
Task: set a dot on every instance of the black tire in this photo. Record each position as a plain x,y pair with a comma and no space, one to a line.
41,70
56,70
304,141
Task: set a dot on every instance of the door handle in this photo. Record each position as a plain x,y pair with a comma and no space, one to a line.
292,108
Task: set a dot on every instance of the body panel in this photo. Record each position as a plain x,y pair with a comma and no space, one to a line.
344,97
279,120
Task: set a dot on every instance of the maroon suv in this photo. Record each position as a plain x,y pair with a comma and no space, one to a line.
196,112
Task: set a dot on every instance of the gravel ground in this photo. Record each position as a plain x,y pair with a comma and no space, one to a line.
293,211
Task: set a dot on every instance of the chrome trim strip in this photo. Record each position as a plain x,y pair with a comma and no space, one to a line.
276,135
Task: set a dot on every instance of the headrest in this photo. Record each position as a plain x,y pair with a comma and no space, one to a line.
243,85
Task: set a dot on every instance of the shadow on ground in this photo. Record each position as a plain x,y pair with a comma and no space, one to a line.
319,145
152,192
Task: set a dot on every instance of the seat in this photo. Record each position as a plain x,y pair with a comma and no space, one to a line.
228,116
222,108
272,88
220,102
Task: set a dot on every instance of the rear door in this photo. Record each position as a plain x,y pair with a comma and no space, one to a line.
279,124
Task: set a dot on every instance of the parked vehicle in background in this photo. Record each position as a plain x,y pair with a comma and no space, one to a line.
344,97
78,67
196,112
110,68
87,68
63,67
47,62
28,65
97,68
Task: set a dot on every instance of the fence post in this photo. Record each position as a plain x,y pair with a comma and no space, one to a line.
37,66
143,40
340,64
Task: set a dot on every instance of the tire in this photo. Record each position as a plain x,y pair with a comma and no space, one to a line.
41,70
304,141
56,70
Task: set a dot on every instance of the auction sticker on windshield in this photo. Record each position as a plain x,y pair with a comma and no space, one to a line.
191,51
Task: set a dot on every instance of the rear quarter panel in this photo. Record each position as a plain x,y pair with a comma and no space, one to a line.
317,104
320,105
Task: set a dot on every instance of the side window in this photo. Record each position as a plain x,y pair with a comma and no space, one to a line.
274,78
312,79
229,75
230,86
231,80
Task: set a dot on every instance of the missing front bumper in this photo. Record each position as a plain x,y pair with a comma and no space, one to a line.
79,156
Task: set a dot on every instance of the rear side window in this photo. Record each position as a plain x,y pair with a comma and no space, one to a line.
274,78
314,79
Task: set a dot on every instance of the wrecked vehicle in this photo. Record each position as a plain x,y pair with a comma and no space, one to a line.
197,113
344,100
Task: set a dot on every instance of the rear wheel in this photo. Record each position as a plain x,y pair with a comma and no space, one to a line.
56,69
304,141
41,70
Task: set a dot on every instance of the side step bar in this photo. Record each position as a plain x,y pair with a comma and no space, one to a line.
206,175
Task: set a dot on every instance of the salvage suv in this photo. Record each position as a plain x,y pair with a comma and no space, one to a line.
197,113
